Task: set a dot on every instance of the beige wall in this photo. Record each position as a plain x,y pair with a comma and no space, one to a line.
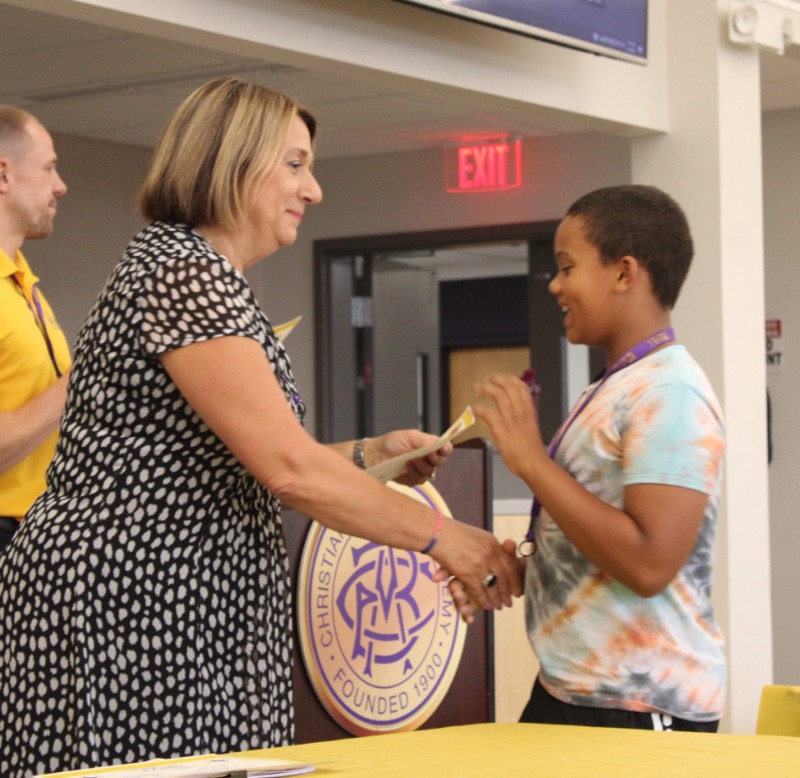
782,250
515,664
95,220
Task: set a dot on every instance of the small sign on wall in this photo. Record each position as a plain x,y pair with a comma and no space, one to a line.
774,333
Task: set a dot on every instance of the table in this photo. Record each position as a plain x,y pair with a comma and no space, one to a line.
541,751
544,750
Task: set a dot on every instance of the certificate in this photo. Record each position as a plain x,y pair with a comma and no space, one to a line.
391,468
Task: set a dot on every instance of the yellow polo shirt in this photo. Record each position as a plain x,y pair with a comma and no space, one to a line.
25,370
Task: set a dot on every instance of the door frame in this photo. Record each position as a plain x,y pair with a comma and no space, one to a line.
326,251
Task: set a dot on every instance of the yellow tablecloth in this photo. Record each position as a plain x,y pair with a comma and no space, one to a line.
545,750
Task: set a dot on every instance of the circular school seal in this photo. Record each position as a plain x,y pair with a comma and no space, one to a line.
380,640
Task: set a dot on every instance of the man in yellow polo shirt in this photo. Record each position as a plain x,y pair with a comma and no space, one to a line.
34,355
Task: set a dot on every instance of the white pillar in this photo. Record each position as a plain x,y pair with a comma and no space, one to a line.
710,161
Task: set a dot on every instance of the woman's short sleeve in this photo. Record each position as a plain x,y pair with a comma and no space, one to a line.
192,299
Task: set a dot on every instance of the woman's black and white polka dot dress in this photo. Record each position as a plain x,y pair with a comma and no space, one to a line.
145,600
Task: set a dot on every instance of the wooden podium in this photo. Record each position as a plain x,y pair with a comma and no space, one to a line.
464,484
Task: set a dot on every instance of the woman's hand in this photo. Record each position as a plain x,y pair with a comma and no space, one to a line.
398,442
465,604
471,555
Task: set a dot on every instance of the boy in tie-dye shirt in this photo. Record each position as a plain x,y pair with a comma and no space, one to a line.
618,593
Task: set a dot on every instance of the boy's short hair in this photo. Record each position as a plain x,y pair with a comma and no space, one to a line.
642,222
218,144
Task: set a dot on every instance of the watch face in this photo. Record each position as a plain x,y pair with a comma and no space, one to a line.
380,640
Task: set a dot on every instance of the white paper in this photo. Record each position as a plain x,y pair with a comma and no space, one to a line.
391,468
202,767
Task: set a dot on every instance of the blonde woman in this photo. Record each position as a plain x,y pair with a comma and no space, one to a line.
150,611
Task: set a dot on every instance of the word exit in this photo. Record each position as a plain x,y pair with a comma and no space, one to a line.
484,167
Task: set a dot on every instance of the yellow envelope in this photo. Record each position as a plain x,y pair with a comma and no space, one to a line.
283,330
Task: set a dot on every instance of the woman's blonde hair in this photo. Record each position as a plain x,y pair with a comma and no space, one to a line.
221,139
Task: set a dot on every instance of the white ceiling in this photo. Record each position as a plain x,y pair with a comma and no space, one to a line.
97,82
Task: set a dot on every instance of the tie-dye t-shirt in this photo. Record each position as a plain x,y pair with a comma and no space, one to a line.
600,644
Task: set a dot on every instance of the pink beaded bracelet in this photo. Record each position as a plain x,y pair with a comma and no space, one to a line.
437,531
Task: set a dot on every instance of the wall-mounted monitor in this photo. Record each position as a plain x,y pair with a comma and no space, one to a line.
615,28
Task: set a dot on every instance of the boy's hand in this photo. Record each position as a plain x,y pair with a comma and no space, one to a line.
512,420
465,605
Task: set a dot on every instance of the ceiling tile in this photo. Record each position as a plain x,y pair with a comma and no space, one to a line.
109,112
23,30
96,82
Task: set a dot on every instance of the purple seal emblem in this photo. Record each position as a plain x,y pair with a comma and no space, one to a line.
380,640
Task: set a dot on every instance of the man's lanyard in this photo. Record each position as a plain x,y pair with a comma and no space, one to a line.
640,350
35,307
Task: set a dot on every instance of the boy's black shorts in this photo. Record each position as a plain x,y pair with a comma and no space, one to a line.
543,708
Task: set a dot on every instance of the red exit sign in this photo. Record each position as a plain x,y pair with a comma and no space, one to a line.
484,166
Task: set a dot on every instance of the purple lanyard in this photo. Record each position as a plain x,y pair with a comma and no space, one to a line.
640,350
38,315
